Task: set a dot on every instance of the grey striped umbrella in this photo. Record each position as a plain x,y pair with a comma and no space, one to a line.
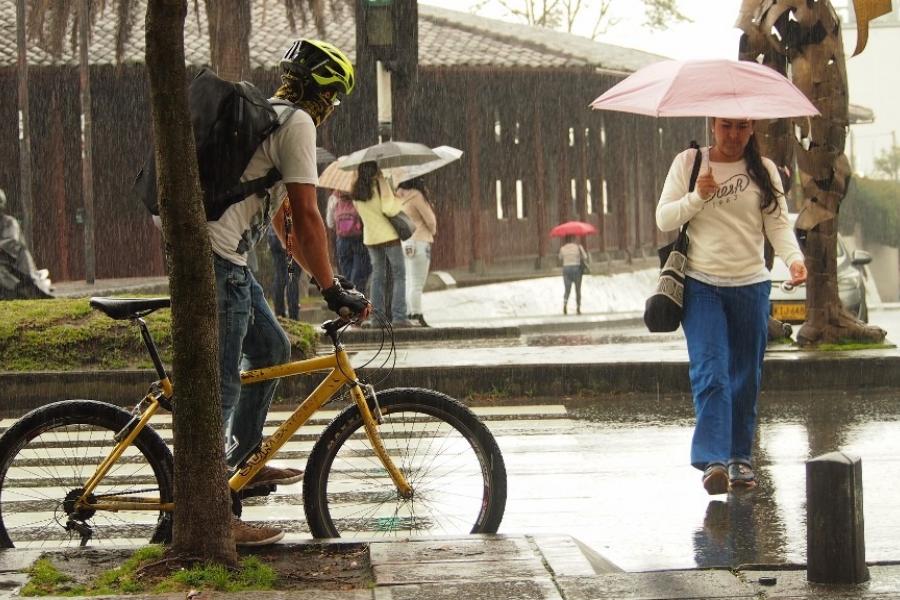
390,154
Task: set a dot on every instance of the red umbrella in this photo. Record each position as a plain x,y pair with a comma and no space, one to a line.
573,228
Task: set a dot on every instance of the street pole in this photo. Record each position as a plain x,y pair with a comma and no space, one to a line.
87,168
385,105
25,201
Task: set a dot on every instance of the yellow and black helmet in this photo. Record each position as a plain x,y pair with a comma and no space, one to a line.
322,63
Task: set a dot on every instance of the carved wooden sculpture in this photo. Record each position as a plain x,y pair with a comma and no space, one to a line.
802,39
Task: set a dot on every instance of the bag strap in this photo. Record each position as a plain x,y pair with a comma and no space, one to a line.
695,172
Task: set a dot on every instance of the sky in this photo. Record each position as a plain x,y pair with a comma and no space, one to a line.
711,34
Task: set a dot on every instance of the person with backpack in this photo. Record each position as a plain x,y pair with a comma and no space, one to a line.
352,257
314,76
737,202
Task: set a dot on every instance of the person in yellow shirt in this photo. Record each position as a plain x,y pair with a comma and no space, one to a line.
375,202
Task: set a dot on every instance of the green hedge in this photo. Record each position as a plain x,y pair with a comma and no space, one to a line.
67,335
875,205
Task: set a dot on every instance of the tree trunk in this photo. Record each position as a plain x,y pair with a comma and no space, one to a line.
229,38
203,504
807,37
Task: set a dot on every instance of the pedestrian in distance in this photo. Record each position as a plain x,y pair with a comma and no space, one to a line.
19,278
353,260
314,76
285,279
738,201
413,196
574,259
375,202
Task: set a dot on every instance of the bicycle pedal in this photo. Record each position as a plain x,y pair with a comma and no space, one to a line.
258,491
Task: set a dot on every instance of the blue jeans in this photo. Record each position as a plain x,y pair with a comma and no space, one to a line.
353,261
284,283
572,275
384,257
249,338
726,331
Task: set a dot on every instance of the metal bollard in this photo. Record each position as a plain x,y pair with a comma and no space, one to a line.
835,529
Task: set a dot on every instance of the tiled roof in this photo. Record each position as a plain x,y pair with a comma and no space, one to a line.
446,39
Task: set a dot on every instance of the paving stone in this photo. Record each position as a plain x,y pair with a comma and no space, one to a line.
519,589
477,548
458,570
792,585
661,585
13,560
567,557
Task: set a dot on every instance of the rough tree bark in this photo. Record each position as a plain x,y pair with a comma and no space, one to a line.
806,36
229,37
203,504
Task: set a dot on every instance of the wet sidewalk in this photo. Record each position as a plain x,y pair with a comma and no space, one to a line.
524,567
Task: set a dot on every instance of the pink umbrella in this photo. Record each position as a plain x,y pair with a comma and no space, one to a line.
707,88
578,228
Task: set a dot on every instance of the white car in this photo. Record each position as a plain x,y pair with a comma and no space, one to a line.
789,305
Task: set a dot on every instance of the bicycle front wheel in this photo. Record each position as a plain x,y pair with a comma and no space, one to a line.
47,457
448,456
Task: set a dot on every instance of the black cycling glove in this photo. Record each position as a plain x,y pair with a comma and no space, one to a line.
345,301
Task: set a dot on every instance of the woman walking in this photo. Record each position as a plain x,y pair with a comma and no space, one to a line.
417,249
737,202
573,257
375,202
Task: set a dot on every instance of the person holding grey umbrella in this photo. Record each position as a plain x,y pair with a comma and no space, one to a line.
375,202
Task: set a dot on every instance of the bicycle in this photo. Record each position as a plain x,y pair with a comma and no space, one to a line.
404,461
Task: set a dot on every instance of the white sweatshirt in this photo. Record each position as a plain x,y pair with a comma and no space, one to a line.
726,231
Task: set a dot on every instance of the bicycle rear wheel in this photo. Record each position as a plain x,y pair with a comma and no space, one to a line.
448,456
49,454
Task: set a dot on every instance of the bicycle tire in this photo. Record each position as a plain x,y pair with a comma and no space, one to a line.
48,455
446,453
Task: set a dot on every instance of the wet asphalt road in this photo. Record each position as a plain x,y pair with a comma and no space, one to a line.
616,476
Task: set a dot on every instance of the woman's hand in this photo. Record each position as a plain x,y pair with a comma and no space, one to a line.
798,272
706,185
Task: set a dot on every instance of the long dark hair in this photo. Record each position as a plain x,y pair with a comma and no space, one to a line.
416,183
760,176
365,178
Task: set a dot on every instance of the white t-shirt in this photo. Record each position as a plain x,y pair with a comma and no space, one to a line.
292,150
726,231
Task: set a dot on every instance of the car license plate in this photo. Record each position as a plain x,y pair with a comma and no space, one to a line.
789,311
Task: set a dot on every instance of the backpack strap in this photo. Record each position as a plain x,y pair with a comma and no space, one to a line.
273,176
695,172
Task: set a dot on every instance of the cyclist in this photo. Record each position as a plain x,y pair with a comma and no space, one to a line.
314,76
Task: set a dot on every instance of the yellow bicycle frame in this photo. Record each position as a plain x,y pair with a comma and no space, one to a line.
340,374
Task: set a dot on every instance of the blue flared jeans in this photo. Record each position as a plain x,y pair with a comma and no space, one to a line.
726,331
353,261
389,258
249,338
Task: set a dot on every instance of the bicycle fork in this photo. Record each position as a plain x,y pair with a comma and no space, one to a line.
371,426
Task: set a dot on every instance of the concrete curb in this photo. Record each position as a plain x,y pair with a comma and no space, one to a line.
789,372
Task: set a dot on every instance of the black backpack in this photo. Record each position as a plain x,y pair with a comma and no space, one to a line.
230,121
